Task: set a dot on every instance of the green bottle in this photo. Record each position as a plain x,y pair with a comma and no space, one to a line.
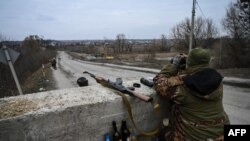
116,134
125,132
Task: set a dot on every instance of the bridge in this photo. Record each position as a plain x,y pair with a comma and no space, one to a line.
78,114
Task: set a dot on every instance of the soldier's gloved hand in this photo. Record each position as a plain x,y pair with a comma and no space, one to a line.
179,61
169,70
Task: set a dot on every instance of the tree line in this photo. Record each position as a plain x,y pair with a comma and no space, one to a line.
232,48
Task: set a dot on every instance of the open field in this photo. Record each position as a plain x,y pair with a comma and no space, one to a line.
157,62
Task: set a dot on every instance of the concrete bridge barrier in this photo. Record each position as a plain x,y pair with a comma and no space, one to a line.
77,114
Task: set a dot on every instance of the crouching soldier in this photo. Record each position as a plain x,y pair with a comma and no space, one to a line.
196,94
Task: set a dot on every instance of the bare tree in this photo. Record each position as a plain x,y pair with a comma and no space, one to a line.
129,46
2,37
237,24
33,41
163,43
237,20
120,42
204,29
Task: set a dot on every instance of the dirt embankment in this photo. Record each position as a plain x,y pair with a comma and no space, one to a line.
41,80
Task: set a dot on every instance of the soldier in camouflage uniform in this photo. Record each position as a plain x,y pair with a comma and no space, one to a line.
197,111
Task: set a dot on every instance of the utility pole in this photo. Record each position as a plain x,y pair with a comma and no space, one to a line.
192,27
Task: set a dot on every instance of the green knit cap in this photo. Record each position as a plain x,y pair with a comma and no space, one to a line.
198,56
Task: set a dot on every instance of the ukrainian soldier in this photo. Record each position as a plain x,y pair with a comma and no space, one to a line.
53,63
197,111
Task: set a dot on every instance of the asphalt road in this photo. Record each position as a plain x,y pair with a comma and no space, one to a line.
75,68
236,100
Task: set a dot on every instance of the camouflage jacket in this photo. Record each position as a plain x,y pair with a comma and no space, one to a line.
197,111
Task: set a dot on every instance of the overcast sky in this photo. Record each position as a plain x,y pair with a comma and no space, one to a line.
96,19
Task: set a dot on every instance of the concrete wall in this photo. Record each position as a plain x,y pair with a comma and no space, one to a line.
77,114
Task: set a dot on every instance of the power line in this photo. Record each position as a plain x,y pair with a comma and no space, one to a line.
200,9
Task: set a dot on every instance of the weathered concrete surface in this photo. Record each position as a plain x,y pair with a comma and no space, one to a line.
77,114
